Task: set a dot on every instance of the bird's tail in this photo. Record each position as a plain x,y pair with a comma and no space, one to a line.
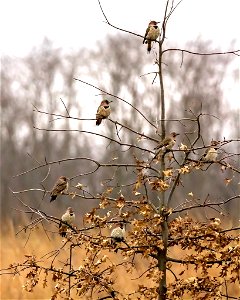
53,197
98,121
149,47
63,233
62,230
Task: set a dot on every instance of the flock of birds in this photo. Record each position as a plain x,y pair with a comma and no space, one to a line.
68,219
118,233
103,112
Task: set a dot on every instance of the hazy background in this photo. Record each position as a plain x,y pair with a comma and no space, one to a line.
44,44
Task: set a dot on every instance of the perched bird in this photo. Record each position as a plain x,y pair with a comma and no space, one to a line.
152,33
60,186
168,142
210,153
68,218
103,111
118,234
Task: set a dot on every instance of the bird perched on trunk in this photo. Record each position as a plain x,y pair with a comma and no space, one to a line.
152,33
68,218
103,111
118,234
60,186
210,153
168,142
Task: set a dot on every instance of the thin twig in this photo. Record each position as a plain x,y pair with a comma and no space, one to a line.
121,99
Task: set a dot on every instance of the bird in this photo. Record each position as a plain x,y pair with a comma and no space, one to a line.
168,142
152,33
118,234
210,153
68,217
103,111
60,186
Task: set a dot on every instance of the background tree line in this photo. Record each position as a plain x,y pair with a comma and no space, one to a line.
45,76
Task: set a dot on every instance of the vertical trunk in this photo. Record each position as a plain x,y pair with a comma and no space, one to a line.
162,259
162,99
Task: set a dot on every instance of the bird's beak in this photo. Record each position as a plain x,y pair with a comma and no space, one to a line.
177,134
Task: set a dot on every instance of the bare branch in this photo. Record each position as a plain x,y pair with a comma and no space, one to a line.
124,30
121,99
234,52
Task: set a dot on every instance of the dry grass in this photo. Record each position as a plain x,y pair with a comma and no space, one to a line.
13,249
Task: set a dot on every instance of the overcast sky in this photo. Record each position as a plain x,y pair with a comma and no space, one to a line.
75,23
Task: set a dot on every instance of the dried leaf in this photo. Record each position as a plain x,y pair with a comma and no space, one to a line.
183,147
80,186
227,181
168,172
137,193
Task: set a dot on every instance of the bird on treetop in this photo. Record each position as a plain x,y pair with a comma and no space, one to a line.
152,33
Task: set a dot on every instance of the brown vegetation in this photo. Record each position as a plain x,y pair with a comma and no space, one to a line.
15,248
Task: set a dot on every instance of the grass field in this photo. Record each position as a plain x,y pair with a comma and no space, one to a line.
14,249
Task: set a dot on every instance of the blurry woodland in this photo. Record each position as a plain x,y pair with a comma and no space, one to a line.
45,77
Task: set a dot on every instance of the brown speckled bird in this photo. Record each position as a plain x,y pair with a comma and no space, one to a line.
168,142
68,217
152,33
60,186
103,111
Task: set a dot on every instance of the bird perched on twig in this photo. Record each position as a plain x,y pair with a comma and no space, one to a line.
103,111
118,234
165,145
168,142
60,186
68,217
152,33
211,153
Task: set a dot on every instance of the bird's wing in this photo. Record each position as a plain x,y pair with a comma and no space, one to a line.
103,112
204,154
65,217
99,109
164,142
59,186
147,31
